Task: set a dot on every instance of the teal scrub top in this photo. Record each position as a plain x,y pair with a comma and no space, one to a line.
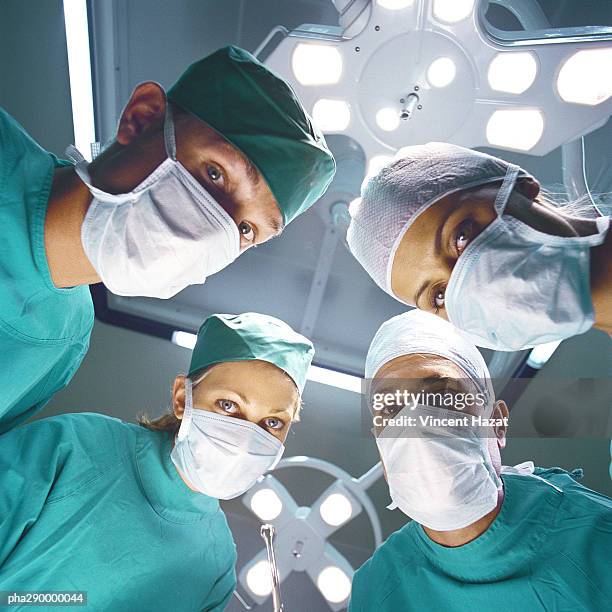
546,550
44,331
94,504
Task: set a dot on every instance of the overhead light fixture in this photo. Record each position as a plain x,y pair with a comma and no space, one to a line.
452,11
388,119
512,72
259,578
266,504
334,584
586,77
79,70
395,5
540,354
336,509
441,72
519,129
316,64
331,115
184,339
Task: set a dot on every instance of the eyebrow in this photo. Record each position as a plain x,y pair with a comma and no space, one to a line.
275,225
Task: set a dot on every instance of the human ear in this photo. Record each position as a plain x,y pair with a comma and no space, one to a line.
500,411
178,396
146,108
528,187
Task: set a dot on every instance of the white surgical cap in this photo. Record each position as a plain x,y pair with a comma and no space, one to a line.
393,198
421,332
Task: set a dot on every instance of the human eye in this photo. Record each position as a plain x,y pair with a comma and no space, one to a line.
246,231
215,174
463,235
228,407
273,423
437,298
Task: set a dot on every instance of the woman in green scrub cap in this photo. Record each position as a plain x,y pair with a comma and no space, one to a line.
129,514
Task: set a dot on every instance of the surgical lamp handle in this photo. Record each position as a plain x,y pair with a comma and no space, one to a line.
267,533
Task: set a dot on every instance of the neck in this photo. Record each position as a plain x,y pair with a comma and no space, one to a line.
601,283
68,203
459,537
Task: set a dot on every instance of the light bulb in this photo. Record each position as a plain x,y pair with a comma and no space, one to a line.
441,72
331,115
515,128
512,72
388,119
259,579
336,509
266,504
394,5
334,584
452,11
586,77
315,64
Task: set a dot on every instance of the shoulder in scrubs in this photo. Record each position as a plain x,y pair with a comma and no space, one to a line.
44,331
94,504
548,549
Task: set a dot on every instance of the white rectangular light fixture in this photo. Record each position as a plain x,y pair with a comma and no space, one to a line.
317,374
79,68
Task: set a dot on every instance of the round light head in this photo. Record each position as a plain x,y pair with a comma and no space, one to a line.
388,119
441,72
519,129
336,509
512,72
316,64
334,584
452,11
586,77
259,579
266,504
331,115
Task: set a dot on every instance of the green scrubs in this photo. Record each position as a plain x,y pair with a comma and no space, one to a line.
546,550
91,503
44,331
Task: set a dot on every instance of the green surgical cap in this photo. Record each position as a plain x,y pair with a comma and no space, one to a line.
249,336
260,114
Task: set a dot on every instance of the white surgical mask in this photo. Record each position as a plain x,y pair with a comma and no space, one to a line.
515,287
164,235
442,478
222,456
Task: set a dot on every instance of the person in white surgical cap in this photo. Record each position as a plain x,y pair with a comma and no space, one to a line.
469,237
482,536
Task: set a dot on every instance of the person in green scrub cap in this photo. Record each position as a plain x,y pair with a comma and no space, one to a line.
483,536
129,514
194,177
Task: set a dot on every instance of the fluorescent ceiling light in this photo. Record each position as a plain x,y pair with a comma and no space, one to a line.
79,69
334,584
334,379
512,72
586,77
336,509
441,72
519,129
315,64
394,5
184,339
540,354
259,579
266,504
388,119
451,11
331,115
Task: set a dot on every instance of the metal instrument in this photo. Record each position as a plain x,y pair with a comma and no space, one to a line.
267,533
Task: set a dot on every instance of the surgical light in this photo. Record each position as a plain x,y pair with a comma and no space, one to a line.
388,119
331,115
441,72
512,72
259,578
394,5
79,70
336,509
452,11
334,584
184,339
519,129
541,354
266,504
315,64
332,378
586,77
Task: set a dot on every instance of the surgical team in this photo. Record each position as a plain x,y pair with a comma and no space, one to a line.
130,512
